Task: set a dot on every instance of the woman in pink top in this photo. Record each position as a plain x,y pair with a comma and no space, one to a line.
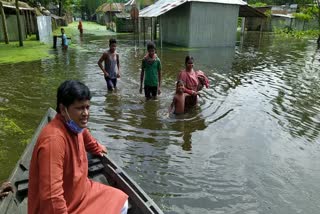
191,82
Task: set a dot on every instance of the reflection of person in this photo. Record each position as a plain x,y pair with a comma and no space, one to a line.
80,27
64,39
111,69
194,81
178,99
5,188
58,181
151,73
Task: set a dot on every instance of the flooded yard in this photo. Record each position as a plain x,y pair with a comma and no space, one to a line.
251,146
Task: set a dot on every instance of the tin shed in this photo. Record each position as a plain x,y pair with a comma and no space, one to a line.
196,23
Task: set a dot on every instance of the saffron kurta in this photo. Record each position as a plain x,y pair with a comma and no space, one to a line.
58,177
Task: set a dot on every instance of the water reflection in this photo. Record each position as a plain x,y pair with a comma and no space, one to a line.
187,126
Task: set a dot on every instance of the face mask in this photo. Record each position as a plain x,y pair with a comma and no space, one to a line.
73,126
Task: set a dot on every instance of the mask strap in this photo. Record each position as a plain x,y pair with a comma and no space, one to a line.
67,113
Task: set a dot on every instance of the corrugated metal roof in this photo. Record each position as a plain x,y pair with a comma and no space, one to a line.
290,16
130,2
163,6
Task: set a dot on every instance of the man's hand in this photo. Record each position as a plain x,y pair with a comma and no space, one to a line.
159,91
118,75
104,150
5,188
140,90
106,74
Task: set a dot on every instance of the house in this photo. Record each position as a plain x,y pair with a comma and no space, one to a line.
27,19
106,12
280,17
196,23
124,22
258,23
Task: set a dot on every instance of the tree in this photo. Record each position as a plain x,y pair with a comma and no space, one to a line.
312,11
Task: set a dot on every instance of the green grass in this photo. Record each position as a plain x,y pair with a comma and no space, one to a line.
287,33
88,27
30,51
34,50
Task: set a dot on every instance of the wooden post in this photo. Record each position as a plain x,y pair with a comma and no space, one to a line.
155,28
262,23
243,21
36,28
60,8
4,24
151,28
160,31
144,32
134,32
33,22
29,22
55,41
26,30
139,21
19,24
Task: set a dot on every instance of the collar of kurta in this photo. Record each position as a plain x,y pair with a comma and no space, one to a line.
63,121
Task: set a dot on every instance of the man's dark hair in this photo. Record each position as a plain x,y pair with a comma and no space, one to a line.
187,59
112,40
70,91
151,45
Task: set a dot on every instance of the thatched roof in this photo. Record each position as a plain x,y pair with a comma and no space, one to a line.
22,5
107,7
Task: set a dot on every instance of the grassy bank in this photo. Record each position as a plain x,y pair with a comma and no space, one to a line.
30,51
287,33
34,50
88,28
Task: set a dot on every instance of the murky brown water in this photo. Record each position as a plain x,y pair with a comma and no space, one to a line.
252,145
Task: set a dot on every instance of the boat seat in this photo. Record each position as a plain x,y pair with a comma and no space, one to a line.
95,169
95,165
22,188
22,182
93,160
24,177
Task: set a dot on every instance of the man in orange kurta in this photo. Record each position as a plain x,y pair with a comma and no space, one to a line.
58,179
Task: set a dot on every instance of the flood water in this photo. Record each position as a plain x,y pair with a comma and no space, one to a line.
251,146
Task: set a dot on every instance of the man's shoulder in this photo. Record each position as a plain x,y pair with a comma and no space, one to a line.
158,59
52,130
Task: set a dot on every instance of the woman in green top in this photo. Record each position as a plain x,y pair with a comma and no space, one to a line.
151,73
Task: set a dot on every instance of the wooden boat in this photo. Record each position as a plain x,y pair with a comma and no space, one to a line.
101,169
